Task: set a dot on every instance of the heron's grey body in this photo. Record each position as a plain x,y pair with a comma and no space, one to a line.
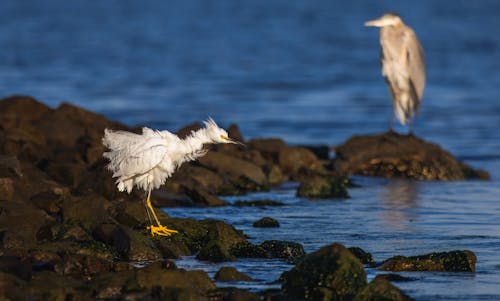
403,66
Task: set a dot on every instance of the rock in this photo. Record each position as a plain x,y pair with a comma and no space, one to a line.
321,187
453,261
204,198
15,266
364,257
224,233
172,248
229,274
163,198
114,236
10,167
44,260
234,133
192,177
243,174
393,155
47,285
186,130
381,289
288,250
274,174
214,251
79,265
11,287
86,211
395,277
48,201
321,151
257,203
156,275
268,147
236,294
296,160
331,273
266,222
6,189
249,250
142,248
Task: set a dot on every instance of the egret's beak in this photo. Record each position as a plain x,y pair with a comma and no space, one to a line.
375,23
229,140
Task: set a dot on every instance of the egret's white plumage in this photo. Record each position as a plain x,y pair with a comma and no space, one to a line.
403,65
147,160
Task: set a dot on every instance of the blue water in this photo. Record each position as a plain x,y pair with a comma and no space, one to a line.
306,71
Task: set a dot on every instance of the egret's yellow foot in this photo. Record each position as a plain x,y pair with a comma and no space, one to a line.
161,230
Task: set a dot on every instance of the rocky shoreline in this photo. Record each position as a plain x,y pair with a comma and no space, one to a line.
66,233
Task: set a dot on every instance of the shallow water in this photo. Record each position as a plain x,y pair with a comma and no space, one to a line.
306,71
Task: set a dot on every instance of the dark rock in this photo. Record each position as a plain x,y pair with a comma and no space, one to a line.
163,198
381,289
362,255
321,187
229,274
86,211
288,250
214,251
204,198
393,155
236,294
44,260
266,222
234,133
48,201
114,236
172,248
10,167
186,130
11,287
142,248
192,177
47,285
79,265
258,203
321,151
331,273
453,261
269,147
226,234
249,250
15,266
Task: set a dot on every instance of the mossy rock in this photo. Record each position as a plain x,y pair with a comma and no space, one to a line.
216,252
331,273
229,274
322,187
453,261
380,289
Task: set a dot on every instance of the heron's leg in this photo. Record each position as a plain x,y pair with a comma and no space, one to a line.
147,211
159,229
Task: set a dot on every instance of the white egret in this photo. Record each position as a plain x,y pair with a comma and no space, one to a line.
403,66
148,160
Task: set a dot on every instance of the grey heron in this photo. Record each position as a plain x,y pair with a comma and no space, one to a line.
403,66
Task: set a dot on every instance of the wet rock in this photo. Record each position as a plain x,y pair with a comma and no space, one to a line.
266,222
214,251
249,250
172,249
393,155
288,250
163,198
48,201
114,236
142,248
257,203
381,289
236,294
321,187
453,261
229,274
331,273
294,160
362,255
204,198
226,234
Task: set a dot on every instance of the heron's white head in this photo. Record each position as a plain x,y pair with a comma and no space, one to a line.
217,134
389,19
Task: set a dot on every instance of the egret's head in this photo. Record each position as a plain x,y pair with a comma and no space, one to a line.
389,19
217,134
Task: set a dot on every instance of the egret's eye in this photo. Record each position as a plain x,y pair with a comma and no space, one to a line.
224,137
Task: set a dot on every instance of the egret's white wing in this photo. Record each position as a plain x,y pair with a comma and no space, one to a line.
133,154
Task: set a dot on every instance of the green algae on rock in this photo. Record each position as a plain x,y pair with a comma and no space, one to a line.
331,273
453,261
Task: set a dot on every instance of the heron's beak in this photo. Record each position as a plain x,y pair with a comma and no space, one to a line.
375,23
229,140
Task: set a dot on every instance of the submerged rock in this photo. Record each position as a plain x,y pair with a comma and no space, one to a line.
322,187
453,261
393,155
288,250
229,274
381,289
331,273
266,222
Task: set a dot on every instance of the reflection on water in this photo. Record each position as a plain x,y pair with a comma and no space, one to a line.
398,196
